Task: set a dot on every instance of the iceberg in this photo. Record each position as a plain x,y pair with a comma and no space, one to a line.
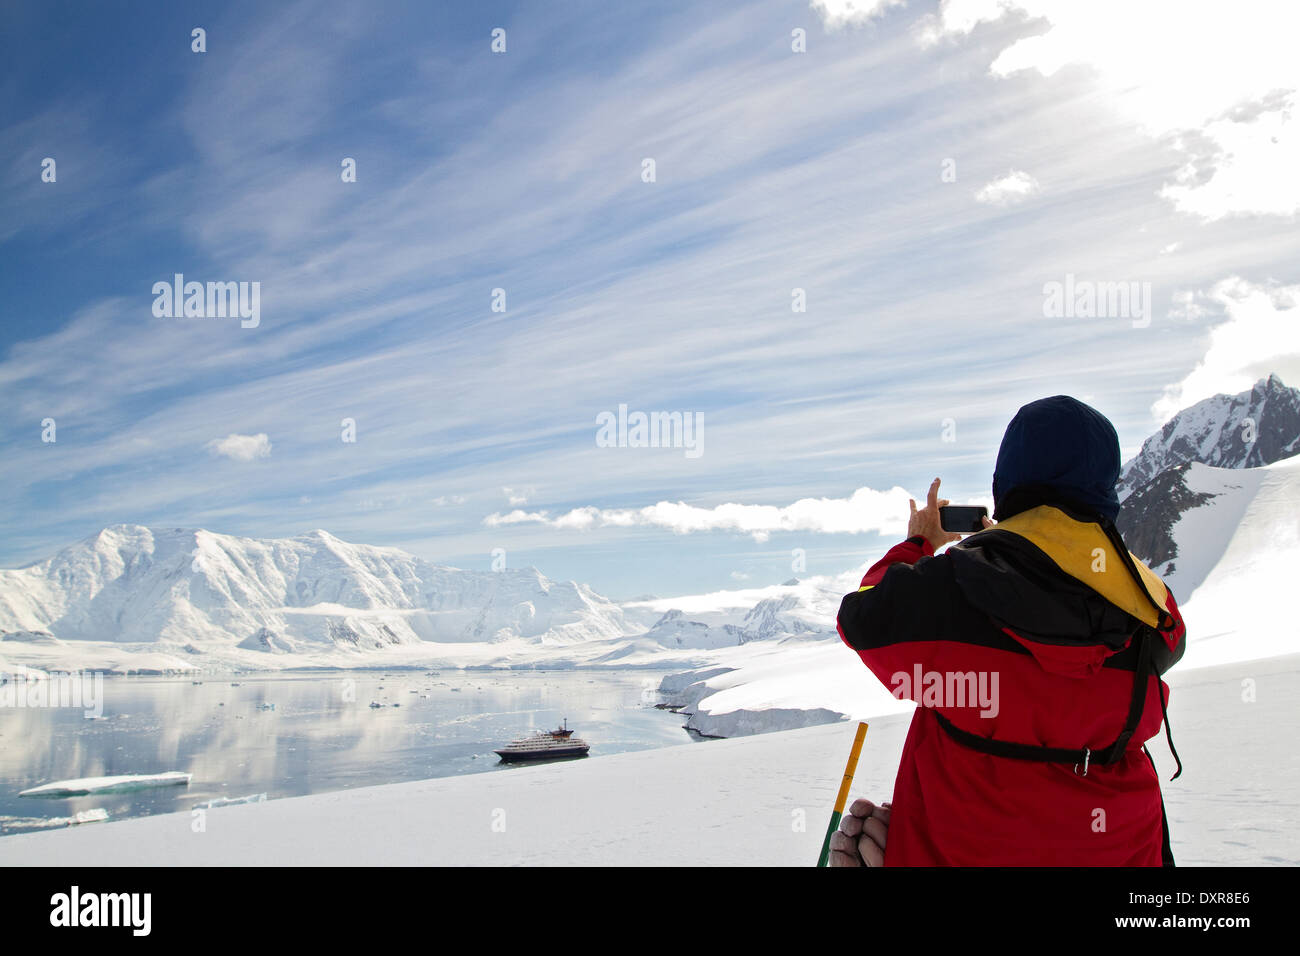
230,801
120,784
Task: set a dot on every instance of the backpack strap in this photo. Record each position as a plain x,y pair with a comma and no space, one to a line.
1166,850
1081,756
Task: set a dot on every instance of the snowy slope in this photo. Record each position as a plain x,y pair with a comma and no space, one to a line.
1227,542
777,686
755,801
1237,565
1188,517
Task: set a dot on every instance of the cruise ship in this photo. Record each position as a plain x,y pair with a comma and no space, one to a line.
545,745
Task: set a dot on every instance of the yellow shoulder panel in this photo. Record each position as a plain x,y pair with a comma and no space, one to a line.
1082,550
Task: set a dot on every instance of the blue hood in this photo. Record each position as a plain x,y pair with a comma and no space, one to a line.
1063,449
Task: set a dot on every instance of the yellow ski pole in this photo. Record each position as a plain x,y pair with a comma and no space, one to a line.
843,795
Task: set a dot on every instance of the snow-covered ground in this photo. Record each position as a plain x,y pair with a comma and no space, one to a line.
777,687
760,800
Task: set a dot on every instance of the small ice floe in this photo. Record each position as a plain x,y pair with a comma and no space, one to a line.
119,784
45,823
230,801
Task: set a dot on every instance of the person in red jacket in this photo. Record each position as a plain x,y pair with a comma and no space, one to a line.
1034,649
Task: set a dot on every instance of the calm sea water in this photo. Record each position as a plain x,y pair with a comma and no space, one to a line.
322,734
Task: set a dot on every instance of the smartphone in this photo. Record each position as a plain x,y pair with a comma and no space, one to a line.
962,518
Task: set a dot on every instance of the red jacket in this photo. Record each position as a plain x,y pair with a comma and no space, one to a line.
1024,633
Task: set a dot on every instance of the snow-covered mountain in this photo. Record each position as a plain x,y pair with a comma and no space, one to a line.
198,591
674,629
1195,478
796,609
1246,430
133,598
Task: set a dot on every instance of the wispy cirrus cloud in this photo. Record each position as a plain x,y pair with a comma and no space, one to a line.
776,170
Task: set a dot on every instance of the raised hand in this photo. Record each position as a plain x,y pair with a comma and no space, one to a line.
926,522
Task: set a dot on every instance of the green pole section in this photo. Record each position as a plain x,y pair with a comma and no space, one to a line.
842,797
826,843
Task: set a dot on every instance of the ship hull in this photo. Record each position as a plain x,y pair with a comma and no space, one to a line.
523,757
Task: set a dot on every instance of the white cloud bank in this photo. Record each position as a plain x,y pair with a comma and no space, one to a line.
241,447
865,511
1220,81
1261,335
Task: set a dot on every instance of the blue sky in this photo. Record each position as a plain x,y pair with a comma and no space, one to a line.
1099,148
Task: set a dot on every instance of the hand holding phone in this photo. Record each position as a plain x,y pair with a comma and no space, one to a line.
926,522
